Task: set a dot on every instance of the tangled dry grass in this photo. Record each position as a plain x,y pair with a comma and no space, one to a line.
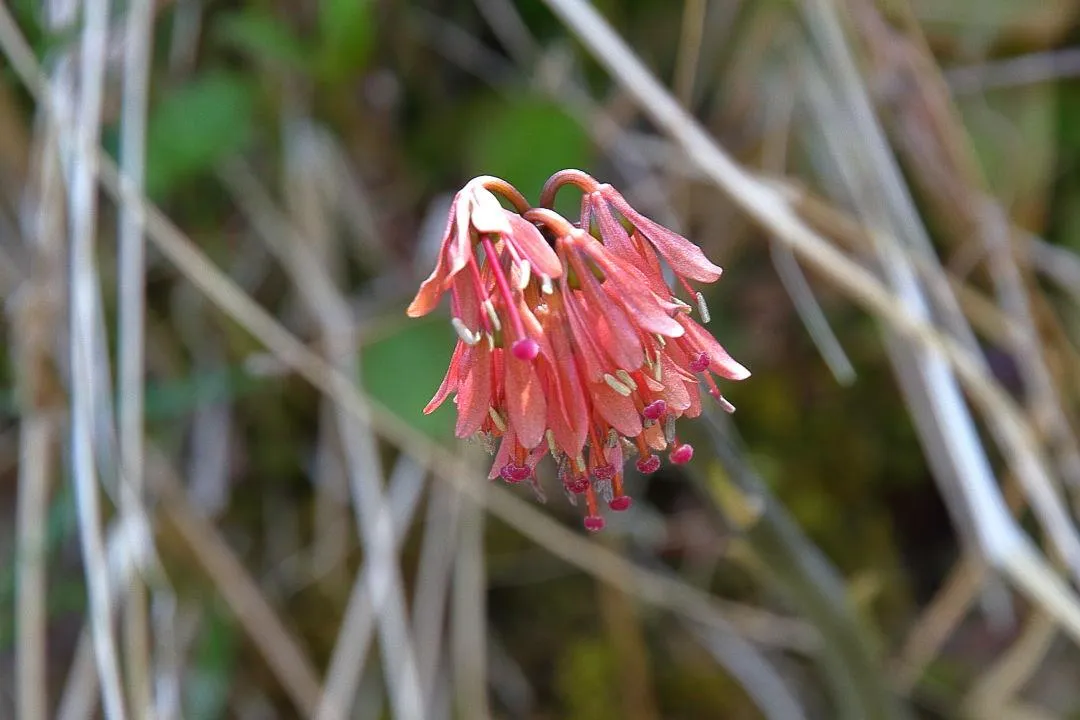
224,501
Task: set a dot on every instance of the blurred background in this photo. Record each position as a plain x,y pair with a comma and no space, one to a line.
219,497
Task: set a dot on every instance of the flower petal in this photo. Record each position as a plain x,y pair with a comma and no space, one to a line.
450,380
486,214
626,285
719,361
524,400
505,453
615,333
684,257
530,243
474,395
618,410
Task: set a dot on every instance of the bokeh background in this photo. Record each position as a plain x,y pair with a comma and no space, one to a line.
219,497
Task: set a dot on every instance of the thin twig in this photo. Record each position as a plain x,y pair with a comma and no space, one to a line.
468,643
347,664
131,301
433,581
82,157
686,66
34,318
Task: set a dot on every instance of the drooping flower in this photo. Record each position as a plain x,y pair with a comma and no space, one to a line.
571,342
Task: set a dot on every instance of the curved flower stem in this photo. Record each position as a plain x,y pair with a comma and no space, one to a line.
501,187
848,661
581,179
550,219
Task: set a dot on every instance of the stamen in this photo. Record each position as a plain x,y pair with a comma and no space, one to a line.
683,307
703,309
580,462
700,363
467,336
681,454
513,473
655,410
612,439
594,523
648,464
489,308
620,502
617,386
626,379
552,448
478,286
525,274
669,428
604,472
546,286
527,350
590,503
497,419
660,339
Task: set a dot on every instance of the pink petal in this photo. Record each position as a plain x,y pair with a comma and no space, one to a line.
568,414
684,257
619,411
524,400
504,454
674,392
459,245
530,243
451,379
614,331
611,230
474,395
486,215
719,361
586,348
626,285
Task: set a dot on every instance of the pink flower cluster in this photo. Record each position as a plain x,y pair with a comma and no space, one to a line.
571,341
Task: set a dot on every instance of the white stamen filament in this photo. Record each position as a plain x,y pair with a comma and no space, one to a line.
551,443
546,286
525,274
497,419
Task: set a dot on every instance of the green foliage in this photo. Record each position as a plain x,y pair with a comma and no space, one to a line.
402,371
584,680
524,141
196,126
345,37
263,37
207,686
